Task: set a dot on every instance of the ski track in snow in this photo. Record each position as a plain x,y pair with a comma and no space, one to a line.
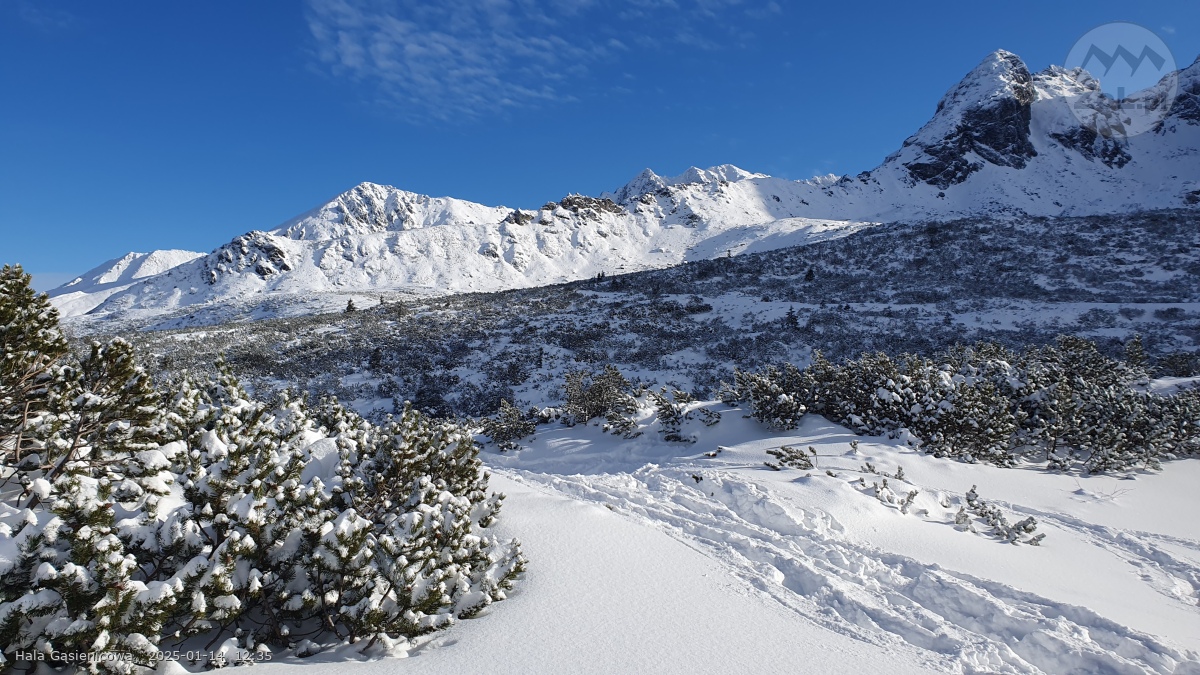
1165,572
804,560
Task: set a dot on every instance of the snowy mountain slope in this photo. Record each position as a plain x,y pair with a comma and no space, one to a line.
1002,141
93,287
370,208
387,250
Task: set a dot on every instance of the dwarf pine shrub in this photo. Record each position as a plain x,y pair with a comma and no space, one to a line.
1066,404
139,517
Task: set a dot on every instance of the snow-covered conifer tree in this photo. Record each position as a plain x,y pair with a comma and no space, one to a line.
31,345
508,426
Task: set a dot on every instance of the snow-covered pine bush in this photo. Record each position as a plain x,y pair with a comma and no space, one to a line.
105,416
508,426
976,426
1045,407
79,529
671,414
1078,356
244,483
1082,408
400,549
76,585
871,394
31,345
1014,533
729,394
1175,420
927,388
1067,403
775,395
619,423
1135,353
708,416
143,520
788,457
1178,364
1118,428
850,394
606,394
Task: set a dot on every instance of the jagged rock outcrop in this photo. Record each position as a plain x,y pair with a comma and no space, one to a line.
254,251
1186,106
983,119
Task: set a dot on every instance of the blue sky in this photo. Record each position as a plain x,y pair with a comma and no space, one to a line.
142,125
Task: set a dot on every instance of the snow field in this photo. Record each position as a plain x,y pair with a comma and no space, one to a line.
656,557
607,594
1112,589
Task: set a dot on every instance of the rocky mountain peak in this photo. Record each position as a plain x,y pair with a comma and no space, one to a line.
371,208
645,182
648,182
984,118
366,207
726,173
1057,81
1001,76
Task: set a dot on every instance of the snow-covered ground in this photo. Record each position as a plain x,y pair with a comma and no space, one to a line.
648,556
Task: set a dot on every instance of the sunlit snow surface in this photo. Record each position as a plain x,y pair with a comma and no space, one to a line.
655,557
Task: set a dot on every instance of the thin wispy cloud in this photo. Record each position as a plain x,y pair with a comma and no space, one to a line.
43,18
476,58
766,11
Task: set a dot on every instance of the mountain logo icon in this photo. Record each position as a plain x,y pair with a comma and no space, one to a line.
1109,60
1132,81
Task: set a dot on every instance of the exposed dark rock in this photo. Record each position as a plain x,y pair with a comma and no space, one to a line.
996,131
1186,106
1093,146
253,250
519,217
582,204
945,169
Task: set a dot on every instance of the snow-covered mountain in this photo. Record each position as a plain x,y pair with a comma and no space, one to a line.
1002,141
93,287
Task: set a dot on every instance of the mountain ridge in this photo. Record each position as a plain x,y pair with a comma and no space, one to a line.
1002,142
